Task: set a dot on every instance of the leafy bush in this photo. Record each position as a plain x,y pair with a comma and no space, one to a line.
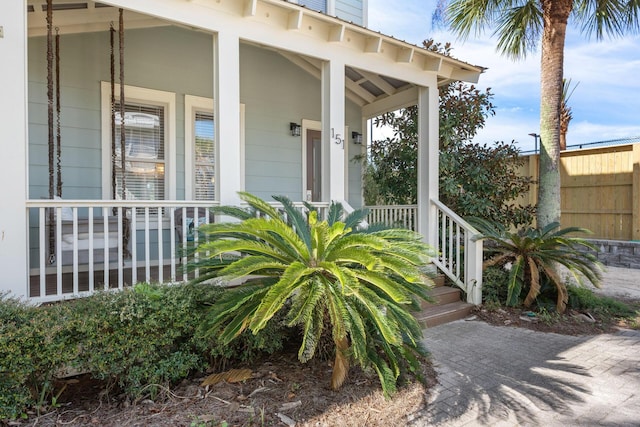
534,256
34,345
139,339
361,282
495,283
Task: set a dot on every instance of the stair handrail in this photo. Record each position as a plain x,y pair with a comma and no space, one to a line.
454,251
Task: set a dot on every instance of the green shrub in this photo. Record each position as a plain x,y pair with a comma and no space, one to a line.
34,344
139,340
495,285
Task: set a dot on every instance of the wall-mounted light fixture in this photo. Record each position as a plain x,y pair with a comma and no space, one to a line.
357,137
295,129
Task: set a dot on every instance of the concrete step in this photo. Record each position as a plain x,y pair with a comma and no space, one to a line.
442,295
439,314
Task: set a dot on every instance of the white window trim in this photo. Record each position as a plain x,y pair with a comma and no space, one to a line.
193,104
143,96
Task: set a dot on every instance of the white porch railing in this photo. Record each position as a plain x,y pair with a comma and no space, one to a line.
459,254
402,216
77,247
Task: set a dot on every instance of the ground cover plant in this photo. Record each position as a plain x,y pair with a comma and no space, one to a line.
359,284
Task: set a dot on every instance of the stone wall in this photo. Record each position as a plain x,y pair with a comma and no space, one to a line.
616,253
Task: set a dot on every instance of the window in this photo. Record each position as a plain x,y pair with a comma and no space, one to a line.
200,148
149,155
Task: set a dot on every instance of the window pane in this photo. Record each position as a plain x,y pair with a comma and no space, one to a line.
205,160
144,152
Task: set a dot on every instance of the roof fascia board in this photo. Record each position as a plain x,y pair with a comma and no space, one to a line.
227,16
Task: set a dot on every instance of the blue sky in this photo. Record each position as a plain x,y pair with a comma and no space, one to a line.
605,104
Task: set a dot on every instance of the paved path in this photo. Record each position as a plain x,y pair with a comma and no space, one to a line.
501,376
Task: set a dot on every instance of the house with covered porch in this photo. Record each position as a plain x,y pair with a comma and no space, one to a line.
159,109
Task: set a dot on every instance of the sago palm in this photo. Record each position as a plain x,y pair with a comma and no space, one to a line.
536,254
520,25
362,282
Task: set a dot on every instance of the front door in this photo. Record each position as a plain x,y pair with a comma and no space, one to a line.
313,191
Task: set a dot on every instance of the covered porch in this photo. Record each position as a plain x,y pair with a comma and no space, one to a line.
256,95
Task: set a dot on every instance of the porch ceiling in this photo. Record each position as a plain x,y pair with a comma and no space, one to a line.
392,83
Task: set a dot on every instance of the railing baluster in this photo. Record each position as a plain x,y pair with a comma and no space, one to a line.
90,257
147,256
134,245
59,250
185,275
120,220
42,248
172,241
75,250
105,240
458,251
160,247
196,255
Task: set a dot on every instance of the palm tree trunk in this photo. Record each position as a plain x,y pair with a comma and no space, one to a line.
555,14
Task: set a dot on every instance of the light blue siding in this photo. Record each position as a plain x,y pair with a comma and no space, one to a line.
154,58
350,10
274,91
320,5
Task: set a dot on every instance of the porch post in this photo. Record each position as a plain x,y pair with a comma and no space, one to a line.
333,132
428,162
13,142
227,116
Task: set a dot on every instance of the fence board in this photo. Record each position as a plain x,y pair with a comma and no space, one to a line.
600,190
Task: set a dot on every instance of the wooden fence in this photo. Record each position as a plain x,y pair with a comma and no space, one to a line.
600,190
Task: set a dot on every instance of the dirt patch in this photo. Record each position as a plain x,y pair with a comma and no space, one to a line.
570,323
281,392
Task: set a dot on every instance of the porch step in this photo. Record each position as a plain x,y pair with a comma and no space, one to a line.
442,295
439,314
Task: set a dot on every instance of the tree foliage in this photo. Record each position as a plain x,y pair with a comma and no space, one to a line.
475,180
520,27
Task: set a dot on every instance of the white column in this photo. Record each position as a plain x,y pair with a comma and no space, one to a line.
333,132
13,145
227,116
427,162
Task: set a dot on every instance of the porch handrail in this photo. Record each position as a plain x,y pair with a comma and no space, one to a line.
459,252
88,236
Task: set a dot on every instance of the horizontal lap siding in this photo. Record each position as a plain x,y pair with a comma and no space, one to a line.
350,10
154,58
275,93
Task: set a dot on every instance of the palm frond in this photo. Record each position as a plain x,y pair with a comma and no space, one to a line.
355,218
519,29
335,213
297,219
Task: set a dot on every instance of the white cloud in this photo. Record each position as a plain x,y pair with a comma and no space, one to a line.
606,104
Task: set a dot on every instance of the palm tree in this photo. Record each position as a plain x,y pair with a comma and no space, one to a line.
361,282
565,111
520,26
535,255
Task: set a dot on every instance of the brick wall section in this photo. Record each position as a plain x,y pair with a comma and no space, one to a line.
616,253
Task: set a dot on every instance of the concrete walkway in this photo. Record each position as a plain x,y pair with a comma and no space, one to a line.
502,376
